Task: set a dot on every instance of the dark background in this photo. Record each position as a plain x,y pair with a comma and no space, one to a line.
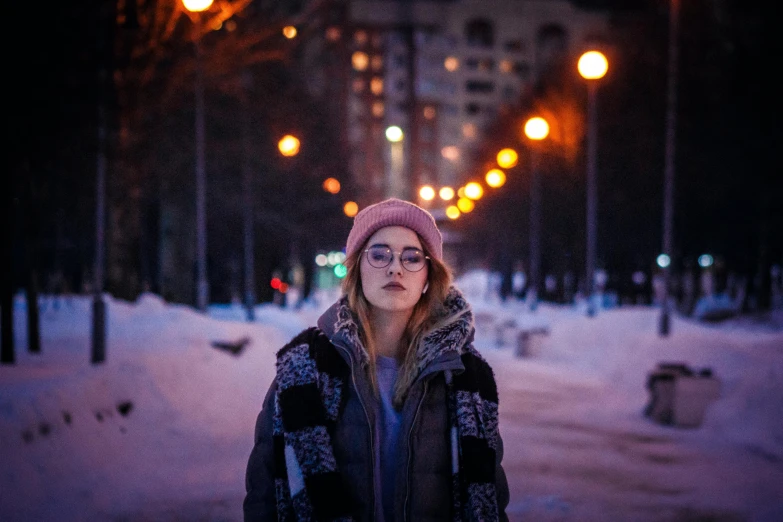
727,179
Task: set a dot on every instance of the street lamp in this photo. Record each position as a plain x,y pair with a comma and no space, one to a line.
592,66
668,174
202,288
536,129
394,183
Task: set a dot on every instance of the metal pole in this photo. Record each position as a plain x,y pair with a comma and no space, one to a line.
250,297
535,229
98,348
202,289
592,196
668,171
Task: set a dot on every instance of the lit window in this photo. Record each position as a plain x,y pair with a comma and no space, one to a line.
450,152
377,62
429,112
377,109
360,37
451,64
376,85
360,61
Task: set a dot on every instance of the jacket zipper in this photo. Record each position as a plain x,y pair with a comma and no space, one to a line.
366,416
410,452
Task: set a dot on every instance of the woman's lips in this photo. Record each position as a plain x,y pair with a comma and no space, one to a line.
394,287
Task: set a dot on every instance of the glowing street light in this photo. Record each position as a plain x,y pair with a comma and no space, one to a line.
351,208
473,190
331,185
289,32
592,66
536,128
452,212
288,145
197,6
507,158
495,178
465,205
394,134
446,193
427,193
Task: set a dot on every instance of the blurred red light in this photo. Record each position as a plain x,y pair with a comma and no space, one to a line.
276,283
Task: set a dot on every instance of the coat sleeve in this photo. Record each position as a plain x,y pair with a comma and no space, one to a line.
260,504
501,483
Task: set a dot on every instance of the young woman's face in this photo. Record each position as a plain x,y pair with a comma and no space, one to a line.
393,288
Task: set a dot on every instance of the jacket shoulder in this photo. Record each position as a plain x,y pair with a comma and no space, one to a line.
312,337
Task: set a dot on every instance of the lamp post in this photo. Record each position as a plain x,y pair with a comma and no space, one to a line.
202,284
536,129
592,66
668,171
394,183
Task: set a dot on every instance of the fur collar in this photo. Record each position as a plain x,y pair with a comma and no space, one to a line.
448,338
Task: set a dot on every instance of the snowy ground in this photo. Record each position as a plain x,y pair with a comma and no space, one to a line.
163,429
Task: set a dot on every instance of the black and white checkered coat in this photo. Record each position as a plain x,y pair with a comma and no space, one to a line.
314,452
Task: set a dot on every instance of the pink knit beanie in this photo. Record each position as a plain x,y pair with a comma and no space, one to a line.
395,212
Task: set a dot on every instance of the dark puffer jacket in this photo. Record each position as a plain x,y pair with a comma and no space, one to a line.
424,478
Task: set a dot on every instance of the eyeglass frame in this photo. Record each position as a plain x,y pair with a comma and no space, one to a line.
399,255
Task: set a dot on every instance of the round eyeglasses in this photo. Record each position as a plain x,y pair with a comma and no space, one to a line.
412,259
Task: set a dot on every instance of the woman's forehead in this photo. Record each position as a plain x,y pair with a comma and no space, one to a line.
396,237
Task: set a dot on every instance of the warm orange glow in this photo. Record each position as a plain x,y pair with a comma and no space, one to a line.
507,158
465,205
376,85
333,34
378,109
446,193
427,193
288,145
283,288
461,192
450,152
331,185
536,128
451,64
429,112
452,212
592,65
289,31
495,178
360,60
196,6
351,209
473,190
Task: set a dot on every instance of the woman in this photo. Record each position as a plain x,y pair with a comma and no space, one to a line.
385,411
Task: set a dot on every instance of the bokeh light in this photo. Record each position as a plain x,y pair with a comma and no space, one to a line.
507,158
592,65
351,209
465,205
452,212
288,145
473,190
446,193
495,178
427,193
331,185
536,128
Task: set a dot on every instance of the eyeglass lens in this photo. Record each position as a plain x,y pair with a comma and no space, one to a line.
411,258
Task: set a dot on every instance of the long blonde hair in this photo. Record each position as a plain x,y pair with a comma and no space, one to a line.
425,313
